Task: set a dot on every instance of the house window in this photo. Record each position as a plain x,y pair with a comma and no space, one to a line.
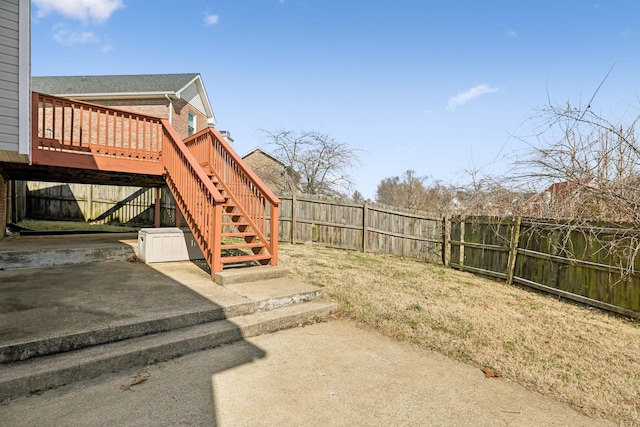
191,123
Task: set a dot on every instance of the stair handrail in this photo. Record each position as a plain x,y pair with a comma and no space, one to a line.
199,201
235,158
214,152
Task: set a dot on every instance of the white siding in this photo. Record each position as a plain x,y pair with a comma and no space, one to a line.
192,96
14,76
9,42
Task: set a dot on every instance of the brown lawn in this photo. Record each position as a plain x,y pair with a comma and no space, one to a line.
583,356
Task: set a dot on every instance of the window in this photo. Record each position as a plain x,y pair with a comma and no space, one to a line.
191,123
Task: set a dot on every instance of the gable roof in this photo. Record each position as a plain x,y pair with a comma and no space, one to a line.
123,86
261,151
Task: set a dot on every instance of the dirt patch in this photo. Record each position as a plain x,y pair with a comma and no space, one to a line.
586,357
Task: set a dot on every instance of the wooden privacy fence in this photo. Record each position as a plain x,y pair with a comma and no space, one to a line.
592,264
360,226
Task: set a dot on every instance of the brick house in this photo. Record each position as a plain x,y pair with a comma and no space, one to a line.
272,171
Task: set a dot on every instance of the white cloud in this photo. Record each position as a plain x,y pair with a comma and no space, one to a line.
512,34
85,10
466,96
69,38
211,19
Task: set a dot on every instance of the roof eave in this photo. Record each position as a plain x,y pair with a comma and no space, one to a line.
119,95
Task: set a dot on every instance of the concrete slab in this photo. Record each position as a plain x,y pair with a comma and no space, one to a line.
37,304
325,374
46,251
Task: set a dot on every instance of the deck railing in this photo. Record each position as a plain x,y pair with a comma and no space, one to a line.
61,124
248,192
123,141
196,196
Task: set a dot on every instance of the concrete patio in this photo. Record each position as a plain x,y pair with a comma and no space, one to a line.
60,323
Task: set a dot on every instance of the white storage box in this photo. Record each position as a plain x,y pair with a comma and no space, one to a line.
167,244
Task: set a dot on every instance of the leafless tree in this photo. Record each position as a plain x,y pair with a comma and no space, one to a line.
589,166
586,169
412,191
319,163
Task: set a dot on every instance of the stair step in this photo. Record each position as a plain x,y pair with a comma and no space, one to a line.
245,258
239,234
251,274
26,350
243,245
22,378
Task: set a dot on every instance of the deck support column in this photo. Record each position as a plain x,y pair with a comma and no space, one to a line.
157,208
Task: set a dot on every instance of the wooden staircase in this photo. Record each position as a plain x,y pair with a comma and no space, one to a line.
240,242
232,214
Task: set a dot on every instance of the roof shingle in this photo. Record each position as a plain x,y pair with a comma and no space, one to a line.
138,83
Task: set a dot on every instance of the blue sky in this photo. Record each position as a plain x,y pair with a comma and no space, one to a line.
433,86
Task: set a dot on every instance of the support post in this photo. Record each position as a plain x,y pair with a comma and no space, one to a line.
157,208
216,238
89,207
274,234
177,216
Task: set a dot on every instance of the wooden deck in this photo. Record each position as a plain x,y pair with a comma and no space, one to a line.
214,189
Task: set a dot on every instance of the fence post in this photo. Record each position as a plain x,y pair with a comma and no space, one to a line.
446,241
293,218
365,225
513,252
462,224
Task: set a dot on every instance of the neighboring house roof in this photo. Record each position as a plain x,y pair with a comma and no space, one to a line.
261,151
187,86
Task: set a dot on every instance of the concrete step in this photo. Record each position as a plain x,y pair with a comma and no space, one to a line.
43,373
261,295
46,251
24,350
249,274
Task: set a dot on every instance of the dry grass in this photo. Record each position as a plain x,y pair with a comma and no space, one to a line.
43,225
582,356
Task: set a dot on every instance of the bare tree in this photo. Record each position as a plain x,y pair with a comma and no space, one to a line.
319,163
589,166
412,191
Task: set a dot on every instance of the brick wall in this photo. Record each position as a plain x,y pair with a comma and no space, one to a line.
160,108
180,120
269,171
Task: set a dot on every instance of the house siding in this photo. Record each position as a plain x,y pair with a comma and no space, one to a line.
9,74
192,96
14,81
3,204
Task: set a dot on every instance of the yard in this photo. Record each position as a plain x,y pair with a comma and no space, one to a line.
583,356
